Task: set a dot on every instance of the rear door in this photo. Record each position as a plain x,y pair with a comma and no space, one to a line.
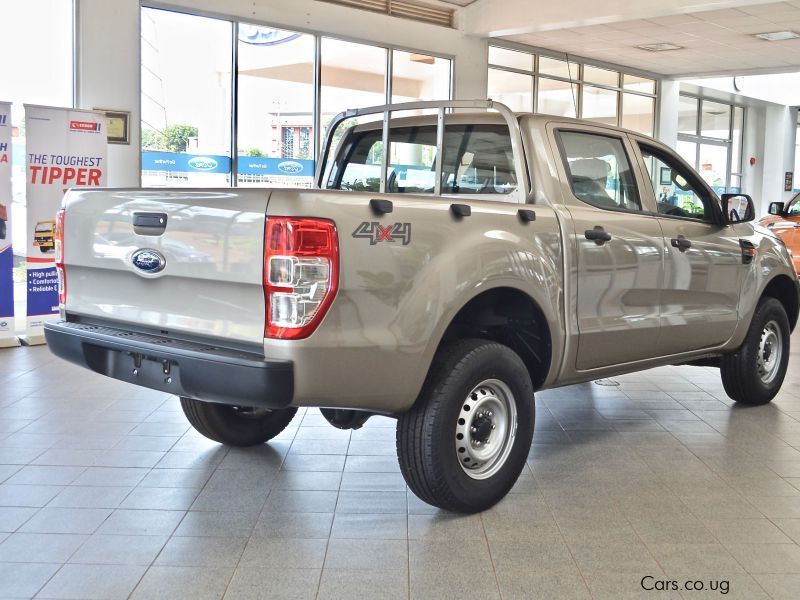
619,247
704,269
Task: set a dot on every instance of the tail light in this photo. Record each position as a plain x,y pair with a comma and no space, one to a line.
301,274
58,238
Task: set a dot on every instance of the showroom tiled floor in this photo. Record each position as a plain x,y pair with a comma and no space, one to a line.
105,492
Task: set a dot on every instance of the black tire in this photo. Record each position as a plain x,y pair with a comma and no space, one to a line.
235,426
426,434
741,374
2,230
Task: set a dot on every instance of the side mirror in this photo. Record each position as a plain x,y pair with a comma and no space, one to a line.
776,208
737,208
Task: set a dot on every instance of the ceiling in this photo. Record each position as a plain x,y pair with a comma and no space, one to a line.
716,37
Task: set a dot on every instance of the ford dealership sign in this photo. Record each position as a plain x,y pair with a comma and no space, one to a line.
203,163
290,167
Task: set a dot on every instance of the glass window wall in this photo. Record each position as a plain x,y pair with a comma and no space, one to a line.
535,83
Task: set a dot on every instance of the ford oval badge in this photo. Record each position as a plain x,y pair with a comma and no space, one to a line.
149,261
291,167
203,163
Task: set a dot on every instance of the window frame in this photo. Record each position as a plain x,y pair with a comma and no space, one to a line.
578,79
731,170
689,173
622,138
317,137
520,195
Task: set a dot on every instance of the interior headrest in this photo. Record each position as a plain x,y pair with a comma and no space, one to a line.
590,168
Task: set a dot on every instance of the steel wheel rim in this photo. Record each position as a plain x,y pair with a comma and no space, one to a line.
486,429
770,353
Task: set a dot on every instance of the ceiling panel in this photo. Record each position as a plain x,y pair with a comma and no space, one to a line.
712,41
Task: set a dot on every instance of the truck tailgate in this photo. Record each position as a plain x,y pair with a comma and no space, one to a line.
211,244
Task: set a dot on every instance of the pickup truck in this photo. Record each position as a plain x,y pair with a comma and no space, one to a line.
784,220
452,259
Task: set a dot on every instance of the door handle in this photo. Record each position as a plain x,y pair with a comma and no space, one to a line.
598,235
681,243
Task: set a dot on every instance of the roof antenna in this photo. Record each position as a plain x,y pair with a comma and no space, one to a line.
572,85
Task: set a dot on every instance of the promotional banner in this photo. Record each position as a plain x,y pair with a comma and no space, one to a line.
6,253
65,148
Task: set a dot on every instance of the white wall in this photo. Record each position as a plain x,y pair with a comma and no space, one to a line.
108,74
108,58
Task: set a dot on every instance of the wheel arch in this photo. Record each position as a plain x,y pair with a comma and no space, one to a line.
511,317
787,292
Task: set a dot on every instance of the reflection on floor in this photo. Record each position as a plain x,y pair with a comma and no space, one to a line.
105,492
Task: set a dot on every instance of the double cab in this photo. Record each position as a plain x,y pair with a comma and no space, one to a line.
452,259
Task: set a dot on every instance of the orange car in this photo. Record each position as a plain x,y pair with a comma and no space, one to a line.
784,219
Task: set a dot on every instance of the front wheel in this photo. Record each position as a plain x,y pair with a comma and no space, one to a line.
754,373
465,442
236,425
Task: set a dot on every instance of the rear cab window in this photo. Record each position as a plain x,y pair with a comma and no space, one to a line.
477,159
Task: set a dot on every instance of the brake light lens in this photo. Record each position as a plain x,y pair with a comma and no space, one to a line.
301,274
58,237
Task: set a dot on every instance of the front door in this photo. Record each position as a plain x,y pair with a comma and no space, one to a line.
619,250
703,268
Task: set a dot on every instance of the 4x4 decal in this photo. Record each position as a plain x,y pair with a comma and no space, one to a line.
375,232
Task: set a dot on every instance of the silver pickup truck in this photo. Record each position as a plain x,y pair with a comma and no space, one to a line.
452,259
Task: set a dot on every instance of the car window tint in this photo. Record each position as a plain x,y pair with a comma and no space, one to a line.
675,195
477,159
599,170
793,210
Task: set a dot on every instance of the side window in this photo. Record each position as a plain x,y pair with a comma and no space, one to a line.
793,210
675,194
478,159
599,170
362,168
411,168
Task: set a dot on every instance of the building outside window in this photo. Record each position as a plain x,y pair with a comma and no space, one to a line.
186,99
530,82
710,139
275,97
191,98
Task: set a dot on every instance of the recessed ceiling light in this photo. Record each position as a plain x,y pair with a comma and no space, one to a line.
660,47
778,36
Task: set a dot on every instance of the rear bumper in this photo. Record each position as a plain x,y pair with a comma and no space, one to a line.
195,370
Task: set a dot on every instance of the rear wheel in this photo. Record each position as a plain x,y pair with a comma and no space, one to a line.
754,373
464,443
236,425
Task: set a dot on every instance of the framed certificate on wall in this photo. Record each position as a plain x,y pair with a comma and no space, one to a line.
118,126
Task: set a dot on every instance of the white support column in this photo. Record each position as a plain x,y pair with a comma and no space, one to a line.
668,112
108,74
778,157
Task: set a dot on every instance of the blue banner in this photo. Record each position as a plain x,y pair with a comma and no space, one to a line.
6,253
42,290
6,289
286,167
185,163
